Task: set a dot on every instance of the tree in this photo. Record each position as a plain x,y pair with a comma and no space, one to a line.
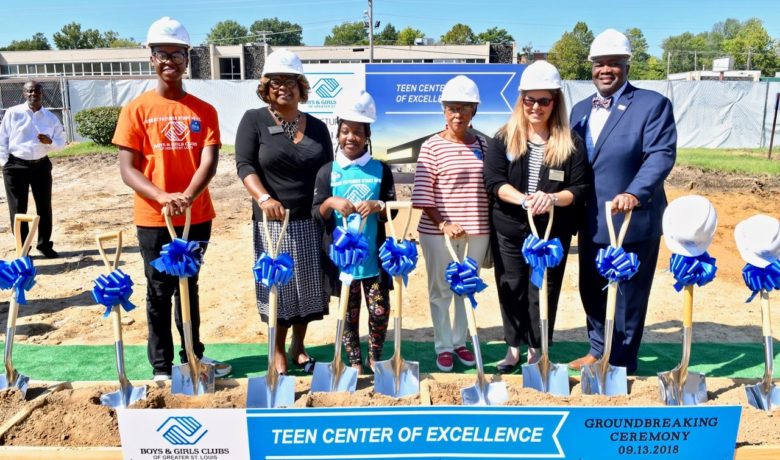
642,68
495,35
347,34
570,53
72,37
227,32
113,40
282,32
388,35
407,36
688,52
527,54
752,48
460,34
37,42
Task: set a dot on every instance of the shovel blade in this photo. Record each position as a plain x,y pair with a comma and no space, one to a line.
21,383
260,395
407,383
327,379
761,399
615,380
557,379
693,393
123,399
493,394
182,380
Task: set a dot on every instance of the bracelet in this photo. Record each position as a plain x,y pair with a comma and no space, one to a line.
523,204
441,225
554,198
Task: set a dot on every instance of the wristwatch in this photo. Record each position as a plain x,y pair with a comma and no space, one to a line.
381,205
263,198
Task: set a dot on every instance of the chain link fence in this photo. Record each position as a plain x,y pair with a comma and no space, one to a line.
55,99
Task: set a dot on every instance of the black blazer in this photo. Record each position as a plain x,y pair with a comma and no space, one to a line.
499,170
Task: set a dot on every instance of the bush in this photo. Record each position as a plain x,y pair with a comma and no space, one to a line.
98,124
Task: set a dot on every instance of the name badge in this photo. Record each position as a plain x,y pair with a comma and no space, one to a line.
275,129
556,175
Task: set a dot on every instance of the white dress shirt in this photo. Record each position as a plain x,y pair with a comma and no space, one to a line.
597,119
19,133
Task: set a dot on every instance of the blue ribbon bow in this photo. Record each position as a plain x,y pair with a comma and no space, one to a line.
540,255
464,279
398,258
349,249
687,270
18,274
758,279
116,288
180,258
616,265
269,271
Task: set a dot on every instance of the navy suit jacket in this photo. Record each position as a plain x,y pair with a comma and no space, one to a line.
635,152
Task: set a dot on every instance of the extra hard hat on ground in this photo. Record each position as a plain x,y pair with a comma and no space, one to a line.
689,224
540,75
358,107
460,89
167,31
758,240
610,43
282,61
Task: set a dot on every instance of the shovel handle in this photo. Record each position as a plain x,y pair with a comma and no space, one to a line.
688,306
766,318
362,222
273,249
543,296
99,239
169,223
397,205
23,248
611,225
549,223
470,315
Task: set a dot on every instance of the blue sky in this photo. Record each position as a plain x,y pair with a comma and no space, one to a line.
540,23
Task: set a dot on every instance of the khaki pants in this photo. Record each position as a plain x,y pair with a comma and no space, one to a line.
448,335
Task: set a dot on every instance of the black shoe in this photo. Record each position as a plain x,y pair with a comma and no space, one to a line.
507,368
49,253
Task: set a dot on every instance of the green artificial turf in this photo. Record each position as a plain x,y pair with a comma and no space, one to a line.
91,362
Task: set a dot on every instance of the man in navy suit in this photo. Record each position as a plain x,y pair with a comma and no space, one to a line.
631,140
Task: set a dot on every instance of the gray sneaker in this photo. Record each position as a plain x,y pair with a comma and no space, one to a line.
220,369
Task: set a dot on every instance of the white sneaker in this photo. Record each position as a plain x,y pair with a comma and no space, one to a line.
161,377
220,369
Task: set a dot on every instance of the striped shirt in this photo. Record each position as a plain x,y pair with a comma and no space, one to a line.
535,159
449,178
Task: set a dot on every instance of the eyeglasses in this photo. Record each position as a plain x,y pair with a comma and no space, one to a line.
542,101
177,57
277,83
468,108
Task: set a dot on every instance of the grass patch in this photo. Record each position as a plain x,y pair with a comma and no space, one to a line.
740,161
77,149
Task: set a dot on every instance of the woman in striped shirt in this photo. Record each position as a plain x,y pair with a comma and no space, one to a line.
534,162
448,187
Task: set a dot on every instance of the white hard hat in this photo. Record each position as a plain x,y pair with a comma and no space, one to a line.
758,240
282,61
540,75
358,107
689,224
610,43
460,89
167,31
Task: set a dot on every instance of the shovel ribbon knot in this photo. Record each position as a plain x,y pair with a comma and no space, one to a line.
758,279
180,258
464,279
19,274
350,247
116,288
269,271
398,258
687,270
616,265
540,255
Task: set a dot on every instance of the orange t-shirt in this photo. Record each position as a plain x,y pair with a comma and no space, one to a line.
170,135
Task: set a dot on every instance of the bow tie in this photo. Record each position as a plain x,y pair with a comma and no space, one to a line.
602,102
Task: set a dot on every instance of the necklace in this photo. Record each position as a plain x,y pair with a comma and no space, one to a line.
290,127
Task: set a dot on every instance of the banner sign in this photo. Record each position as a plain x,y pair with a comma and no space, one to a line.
327,83
409,110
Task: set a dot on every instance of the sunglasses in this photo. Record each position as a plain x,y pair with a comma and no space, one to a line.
277,83
177,57
542,101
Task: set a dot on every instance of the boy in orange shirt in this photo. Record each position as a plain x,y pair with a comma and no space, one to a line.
168,150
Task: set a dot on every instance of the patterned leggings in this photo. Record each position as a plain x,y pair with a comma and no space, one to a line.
377,300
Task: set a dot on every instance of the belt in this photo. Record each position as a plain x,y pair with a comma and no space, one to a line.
27,162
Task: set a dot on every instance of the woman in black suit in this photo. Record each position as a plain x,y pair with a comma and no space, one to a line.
533,163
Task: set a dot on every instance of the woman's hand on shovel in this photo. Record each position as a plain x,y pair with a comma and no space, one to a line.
272,209
539,202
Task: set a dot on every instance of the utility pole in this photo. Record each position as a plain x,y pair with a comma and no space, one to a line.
370,31
750,55
695,60
264,37
668,62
